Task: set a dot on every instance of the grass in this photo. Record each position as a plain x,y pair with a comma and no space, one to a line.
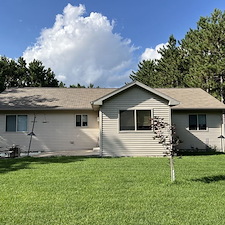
112,191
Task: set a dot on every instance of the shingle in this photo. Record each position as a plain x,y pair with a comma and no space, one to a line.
192,98
50,98
80,98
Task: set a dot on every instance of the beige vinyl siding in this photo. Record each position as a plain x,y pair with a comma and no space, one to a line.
54,131
200,139
131,143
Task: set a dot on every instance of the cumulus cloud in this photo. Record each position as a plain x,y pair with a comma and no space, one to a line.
152,53
83,49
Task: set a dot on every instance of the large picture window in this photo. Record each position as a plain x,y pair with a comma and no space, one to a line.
16,123
197,122
135,120
81,120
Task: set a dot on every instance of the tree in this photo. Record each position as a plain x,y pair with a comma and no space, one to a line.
198,60
39,76
62,85
3,71
83,86
77,86
166,134
171,67
18,74
146,73
168,71
204,48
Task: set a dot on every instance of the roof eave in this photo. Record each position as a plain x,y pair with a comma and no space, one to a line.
45,109
179,109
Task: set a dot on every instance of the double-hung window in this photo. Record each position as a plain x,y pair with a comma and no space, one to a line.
81,120
197,122
16,123
132,120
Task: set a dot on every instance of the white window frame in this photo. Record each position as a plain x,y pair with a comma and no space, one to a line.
16,115
82,121
197,115
135,120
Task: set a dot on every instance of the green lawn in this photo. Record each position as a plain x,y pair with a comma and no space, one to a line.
79,190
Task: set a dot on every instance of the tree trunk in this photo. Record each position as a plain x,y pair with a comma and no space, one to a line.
172,170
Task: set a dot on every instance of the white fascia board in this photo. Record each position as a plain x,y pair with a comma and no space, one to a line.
171,101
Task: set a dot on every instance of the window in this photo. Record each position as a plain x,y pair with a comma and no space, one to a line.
81,120
16,123
143,119
197,122
128,118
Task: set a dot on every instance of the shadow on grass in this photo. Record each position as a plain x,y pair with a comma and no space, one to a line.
198,152
9,165
210,179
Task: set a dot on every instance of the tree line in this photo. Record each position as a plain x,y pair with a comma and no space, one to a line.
17,73
198,60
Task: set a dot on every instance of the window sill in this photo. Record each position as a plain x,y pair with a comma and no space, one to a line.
198,130
10,132
135,131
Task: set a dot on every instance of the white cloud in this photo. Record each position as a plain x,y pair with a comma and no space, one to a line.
152,53
83,49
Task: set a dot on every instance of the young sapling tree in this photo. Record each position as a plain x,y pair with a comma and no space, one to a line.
166,134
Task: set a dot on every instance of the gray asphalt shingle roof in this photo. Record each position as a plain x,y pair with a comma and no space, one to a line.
50,98
80,98
192,98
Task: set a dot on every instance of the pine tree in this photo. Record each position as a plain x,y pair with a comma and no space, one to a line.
17,74
171,68
146,73
204,48
168,71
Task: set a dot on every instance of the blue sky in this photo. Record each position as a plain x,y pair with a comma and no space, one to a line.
95,41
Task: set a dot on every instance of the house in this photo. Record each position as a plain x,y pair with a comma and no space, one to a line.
115,120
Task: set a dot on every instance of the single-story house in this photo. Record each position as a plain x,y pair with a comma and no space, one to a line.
117,121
